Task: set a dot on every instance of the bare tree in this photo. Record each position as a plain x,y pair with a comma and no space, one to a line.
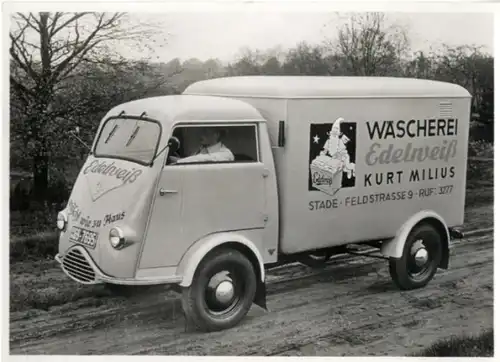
468,66
420,66
305,59
272,67
256,62
369,46
248,62
48,52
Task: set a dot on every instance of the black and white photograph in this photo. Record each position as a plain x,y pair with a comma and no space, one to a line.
249,179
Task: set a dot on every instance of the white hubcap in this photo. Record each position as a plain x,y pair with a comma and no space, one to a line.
224,292
421,257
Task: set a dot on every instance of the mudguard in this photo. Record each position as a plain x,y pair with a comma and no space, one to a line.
202,247
393,248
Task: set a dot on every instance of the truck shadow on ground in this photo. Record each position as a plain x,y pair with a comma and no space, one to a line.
332,273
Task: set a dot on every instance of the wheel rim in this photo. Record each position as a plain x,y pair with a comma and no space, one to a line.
223,292
421,259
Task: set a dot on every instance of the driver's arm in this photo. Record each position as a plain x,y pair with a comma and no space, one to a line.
223,155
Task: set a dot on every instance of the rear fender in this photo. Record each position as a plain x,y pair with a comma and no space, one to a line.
196,253
393,248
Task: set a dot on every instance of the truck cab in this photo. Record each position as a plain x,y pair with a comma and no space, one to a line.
143,211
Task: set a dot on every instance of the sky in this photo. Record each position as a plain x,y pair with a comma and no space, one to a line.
223,35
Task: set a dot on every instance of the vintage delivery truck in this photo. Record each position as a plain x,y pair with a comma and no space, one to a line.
207,189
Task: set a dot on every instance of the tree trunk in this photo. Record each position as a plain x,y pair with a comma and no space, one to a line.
40,177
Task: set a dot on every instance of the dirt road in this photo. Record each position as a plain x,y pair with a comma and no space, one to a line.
348,308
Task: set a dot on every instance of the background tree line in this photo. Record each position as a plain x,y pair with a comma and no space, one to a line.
65,72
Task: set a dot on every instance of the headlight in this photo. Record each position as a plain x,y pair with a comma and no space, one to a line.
61,221
116,238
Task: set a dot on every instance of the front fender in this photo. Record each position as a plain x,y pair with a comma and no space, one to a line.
202,247
393,248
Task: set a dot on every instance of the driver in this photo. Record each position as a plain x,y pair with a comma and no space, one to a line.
211,148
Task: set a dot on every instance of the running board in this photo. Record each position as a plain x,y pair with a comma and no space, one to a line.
367,253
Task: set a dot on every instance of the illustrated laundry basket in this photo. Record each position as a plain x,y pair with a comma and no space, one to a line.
326,174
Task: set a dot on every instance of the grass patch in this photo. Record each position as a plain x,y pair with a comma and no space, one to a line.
464,346
34,247
31,222
480,173
481,148
23,298
479,197
40,285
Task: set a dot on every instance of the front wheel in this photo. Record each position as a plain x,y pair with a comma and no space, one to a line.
421,256
222,291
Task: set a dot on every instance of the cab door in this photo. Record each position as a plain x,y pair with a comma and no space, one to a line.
197,199
223,197
163,239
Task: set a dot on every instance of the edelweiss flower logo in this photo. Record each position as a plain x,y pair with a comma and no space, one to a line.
97,189
102,177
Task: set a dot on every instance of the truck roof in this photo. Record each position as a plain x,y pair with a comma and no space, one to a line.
326,87
174,108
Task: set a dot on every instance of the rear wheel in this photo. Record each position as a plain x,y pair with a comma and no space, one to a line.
222,291
422,253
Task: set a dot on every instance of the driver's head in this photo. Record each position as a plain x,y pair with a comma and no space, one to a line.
210,136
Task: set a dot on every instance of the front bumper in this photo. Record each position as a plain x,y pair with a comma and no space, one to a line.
79,266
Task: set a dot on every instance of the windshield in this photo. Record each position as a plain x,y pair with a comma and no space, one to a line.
132,139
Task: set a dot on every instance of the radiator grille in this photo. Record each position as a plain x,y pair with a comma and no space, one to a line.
75,264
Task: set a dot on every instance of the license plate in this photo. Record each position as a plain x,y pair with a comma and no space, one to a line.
84,237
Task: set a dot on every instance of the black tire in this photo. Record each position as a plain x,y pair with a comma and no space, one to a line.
403,270
201,306
315,260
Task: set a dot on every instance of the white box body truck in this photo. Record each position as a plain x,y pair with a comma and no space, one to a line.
289,169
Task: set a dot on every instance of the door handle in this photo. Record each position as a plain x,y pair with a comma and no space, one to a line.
163,192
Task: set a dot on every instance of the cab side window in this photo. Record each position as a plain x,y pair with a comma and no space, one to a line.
215,144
